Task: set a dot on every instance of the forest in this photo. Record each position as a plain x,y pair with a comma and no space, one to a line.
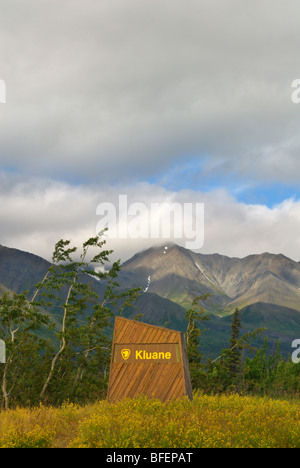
58,342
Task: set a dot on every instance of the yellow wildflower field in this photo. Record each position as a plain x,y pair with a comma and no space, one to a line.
207,421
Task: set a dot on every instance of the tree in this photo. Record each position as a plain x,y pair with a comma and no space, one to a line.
195,316
227,369
18,319
74,303
235,346
70,287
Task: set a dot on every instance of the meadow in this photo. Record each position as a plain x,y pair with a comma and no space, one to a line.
206,422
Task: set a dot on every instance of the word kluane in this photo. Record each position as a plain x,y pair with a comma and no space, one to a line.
142,354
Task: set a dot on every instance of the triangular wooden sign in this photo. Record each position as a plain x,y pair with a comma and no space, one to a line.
148,360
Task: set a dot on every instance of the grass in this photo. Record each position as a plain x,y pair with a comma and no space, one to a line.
207,421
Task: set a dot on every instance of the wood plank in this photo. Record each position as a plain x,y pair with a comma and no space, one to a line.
143,371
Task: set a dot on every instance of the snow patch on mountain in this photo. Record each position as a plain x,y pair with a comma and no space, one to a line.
148,284
204,274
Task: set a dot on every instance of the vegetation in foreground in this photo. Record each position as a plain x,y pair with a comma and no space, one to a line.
207,421
230,407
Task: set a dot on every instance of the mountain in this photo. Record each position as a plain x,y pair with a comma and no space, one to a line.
281,324
21,271
179,275
265,288
157,310
3,289
173,273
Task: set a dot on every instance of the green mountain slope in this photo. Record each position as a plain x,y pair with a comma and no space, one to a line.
21,271
179,275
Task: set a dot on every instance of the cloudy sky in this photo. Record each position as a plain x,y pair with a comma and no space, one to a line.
165,101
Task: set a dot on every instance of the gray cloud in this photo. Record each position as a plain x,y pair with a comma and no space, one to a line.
103,95
114,90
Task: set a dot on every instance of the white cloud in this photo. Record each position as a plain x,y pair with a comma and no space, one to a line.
36,214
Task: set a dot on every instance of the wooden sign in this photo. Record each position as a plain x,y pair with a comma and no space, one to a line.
148,360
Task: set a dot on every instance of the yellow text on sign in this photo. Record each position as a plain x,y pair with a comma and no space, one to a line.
144,355
138,353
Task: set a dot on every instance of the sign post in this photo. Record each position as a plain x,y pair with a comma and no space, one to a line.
149,360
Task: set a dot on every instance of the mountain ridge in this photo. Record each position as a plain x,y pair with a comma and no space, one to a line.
179,274
235,282
265,288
